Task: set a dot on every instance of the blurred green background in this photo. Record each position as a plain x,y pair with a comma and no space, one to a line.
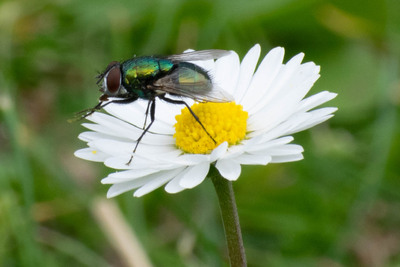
340,206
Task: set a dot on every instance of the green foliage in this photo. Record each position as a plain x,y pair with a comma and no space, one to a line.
338,207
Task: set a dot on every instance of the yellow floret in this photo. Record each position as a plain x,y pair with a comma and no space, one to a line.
223,121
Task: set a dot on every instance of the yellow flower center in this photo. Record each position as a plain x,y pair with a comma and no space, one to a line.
223,121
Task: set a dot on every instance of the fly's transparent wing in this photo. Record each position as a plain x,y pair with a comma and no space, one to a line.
189,80
199,55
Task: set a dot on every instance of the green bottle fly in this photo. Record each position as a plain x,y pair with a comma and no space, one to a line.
152,77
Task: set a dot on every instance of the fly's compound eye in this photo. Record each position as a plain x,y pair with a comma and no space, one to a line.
113,81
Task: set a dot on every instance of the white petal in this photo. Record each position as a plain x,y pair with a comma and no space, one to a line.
113,147
129,134
100,129
295,122
270,133
263,79
294,80
272,148
116,148
251,159
247,68
264,143
113,125
90,136
296,60
286,80
317,116
229,169
232,152
124,176
138,162
173,186
289,149
91,154
288,158
190,159
166,112
219,151
156,180
195,175
134,114
284,104
315,100
227,72
120,188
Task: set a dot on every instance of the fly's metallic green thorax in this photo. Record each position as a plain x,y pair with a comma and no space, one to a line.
137,72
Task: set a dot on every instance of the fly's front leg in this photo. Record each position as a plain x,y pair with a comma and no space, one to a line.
152,105
87,112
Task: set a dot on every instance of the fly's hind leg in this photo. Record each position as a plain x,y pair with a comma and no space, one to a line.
181,102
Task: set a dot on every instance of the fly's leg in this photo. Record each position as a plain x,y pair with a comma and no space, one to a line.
152,108
147,114
181,102
87,112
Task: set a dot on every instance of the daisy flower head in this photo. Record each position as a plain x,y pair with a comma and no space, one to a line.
269,105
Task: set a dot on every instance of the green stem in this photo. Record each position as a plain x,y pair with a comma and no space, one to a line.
230,219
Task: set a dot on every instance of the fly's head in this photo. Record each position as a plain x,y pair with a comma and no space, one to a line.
110,81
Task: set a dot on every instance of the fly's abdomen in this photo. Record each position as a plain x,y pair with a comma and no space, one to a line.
190,74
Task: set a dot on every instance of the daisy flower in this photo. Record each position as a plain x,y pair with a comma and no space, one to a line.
269,106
